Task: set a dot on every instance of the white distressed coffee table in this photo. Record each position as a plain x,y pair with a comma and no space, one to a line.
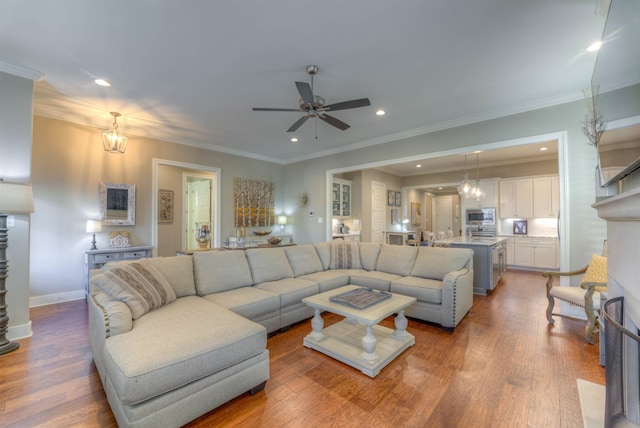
357,340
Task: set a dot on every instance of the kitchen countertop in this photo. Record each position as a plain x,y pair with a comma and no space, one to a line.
485,241
346,234
526,236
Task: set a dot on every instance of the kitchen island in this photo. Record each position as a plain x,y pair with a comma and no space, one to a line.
489,260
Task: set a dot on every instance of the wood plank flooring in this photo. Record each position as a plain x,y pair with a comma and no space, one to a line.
504,366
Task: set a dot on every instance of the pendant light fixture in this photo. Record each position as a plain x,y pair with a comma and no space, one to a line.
478,193
465,188
113,141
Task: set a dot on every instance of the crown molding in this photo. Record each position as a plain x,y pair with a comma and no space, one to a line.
20,71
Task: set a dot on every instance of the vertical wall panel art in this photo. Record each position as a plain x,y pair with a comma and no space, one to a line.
253,203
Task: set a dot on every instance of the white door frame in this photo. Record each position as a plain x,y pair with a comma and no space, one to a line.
154,197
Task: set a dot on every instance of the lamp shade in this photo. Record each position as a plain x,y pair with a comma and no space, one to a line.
15,198
94,226
282,219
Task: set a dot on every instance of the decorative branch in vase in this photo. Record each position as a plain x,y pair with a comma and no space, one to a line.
594,125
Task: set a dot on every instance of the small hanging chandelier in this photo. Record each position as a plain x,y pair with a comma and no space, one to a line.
478,193
465,188
113,141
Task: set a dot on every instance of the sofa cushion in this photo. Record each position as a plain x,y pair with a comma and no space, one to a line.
268,264
328,279
345,255
290,290
369,252
436,262
249,302
177,344
397,259
139,285
373,279
178,270
423,289
217,271
303,259
324,252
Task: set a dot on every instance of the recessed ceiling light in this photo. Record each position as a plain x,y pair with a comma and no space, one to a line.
418,166
440,188
381,112
595,46
294,140
102,82
542,149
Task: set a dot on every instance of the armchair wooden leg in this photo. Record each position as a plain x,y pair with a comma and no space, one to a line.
589,329
550,308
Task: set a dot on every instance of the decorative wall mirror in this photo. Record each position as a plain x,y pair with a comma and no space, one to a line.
118,204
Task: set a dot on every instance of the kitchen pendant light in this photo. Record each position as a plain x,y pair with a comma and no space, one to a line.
113,141
465,188
478,193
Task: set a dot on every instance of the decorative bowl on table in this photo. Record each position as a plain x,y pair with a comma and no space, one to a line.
261,232
274,240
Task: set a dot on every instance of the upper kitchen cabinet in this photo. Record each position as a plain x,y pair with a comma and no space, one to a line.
546,196
516,198
341,198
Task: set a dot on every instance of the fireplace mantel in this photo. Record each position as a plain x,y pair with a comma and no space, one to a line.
623,207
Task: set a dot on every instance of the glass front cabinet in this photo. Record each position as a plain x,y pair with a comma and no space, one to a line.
341,198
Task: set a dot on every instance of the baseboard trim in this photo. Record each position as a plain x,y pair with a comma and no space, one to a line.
51,299
21,331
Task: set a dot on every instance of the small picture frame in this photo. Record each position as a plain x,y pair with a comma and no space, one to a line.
394,216
520,227
165,206
398,198
391,195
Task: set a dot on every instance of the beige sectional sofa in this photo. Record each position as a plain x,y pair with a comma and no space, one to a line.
175,337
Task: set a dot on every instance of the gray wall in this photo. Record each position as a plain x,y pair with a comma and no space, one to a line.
15,165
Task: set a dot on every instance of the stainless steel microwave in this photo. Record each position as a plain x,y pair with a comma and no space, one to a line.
483,216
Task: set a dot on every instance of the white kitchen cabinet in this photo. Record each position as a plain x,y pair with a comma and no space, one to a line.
516,198
511,250
341,198
536,253
546,198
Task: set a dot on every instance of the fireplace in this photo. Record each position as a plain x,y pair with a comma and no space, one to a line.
622,404
622,310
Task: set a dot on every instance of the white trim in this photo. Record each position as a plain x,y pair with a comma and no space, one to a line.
51,299
21,331
20,70
154,197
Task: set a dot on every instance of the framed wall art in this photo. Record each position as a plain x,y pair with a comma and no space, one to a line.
165,206
398,198
391,195
520,227
118,204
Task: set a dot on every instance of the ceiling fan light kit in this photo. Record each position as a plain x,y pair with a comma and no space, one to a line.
314,106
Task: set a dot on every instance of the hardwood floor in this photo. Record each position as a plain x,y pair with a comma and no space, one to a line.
504,366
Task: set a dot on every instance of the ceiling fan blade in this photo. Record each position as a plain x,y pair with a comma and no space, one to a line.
298,123
276,109
305,92
333,121
362,102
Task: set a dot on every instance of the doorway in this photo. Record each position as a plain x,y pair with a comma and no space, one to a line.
168,238
378,211
197,206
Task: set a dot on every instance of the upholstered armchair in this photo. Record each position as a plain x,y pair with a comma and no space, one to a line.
416,240
586,296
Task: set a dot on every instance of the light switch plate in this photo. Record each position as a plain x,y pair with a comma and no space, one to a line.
11,221
319,219
356,223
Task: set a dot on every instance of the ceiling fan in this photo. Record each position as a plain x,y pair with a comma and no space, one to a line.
314,105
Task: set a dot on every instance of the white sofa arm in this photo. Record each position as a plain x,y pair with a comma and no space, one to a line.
457,297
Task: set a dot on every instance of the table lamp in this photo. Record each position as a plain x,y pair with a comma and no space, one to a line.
15,198
282,220
94,226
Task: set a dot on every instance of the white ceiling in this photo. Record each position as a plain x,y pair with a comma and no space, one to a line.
190,72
